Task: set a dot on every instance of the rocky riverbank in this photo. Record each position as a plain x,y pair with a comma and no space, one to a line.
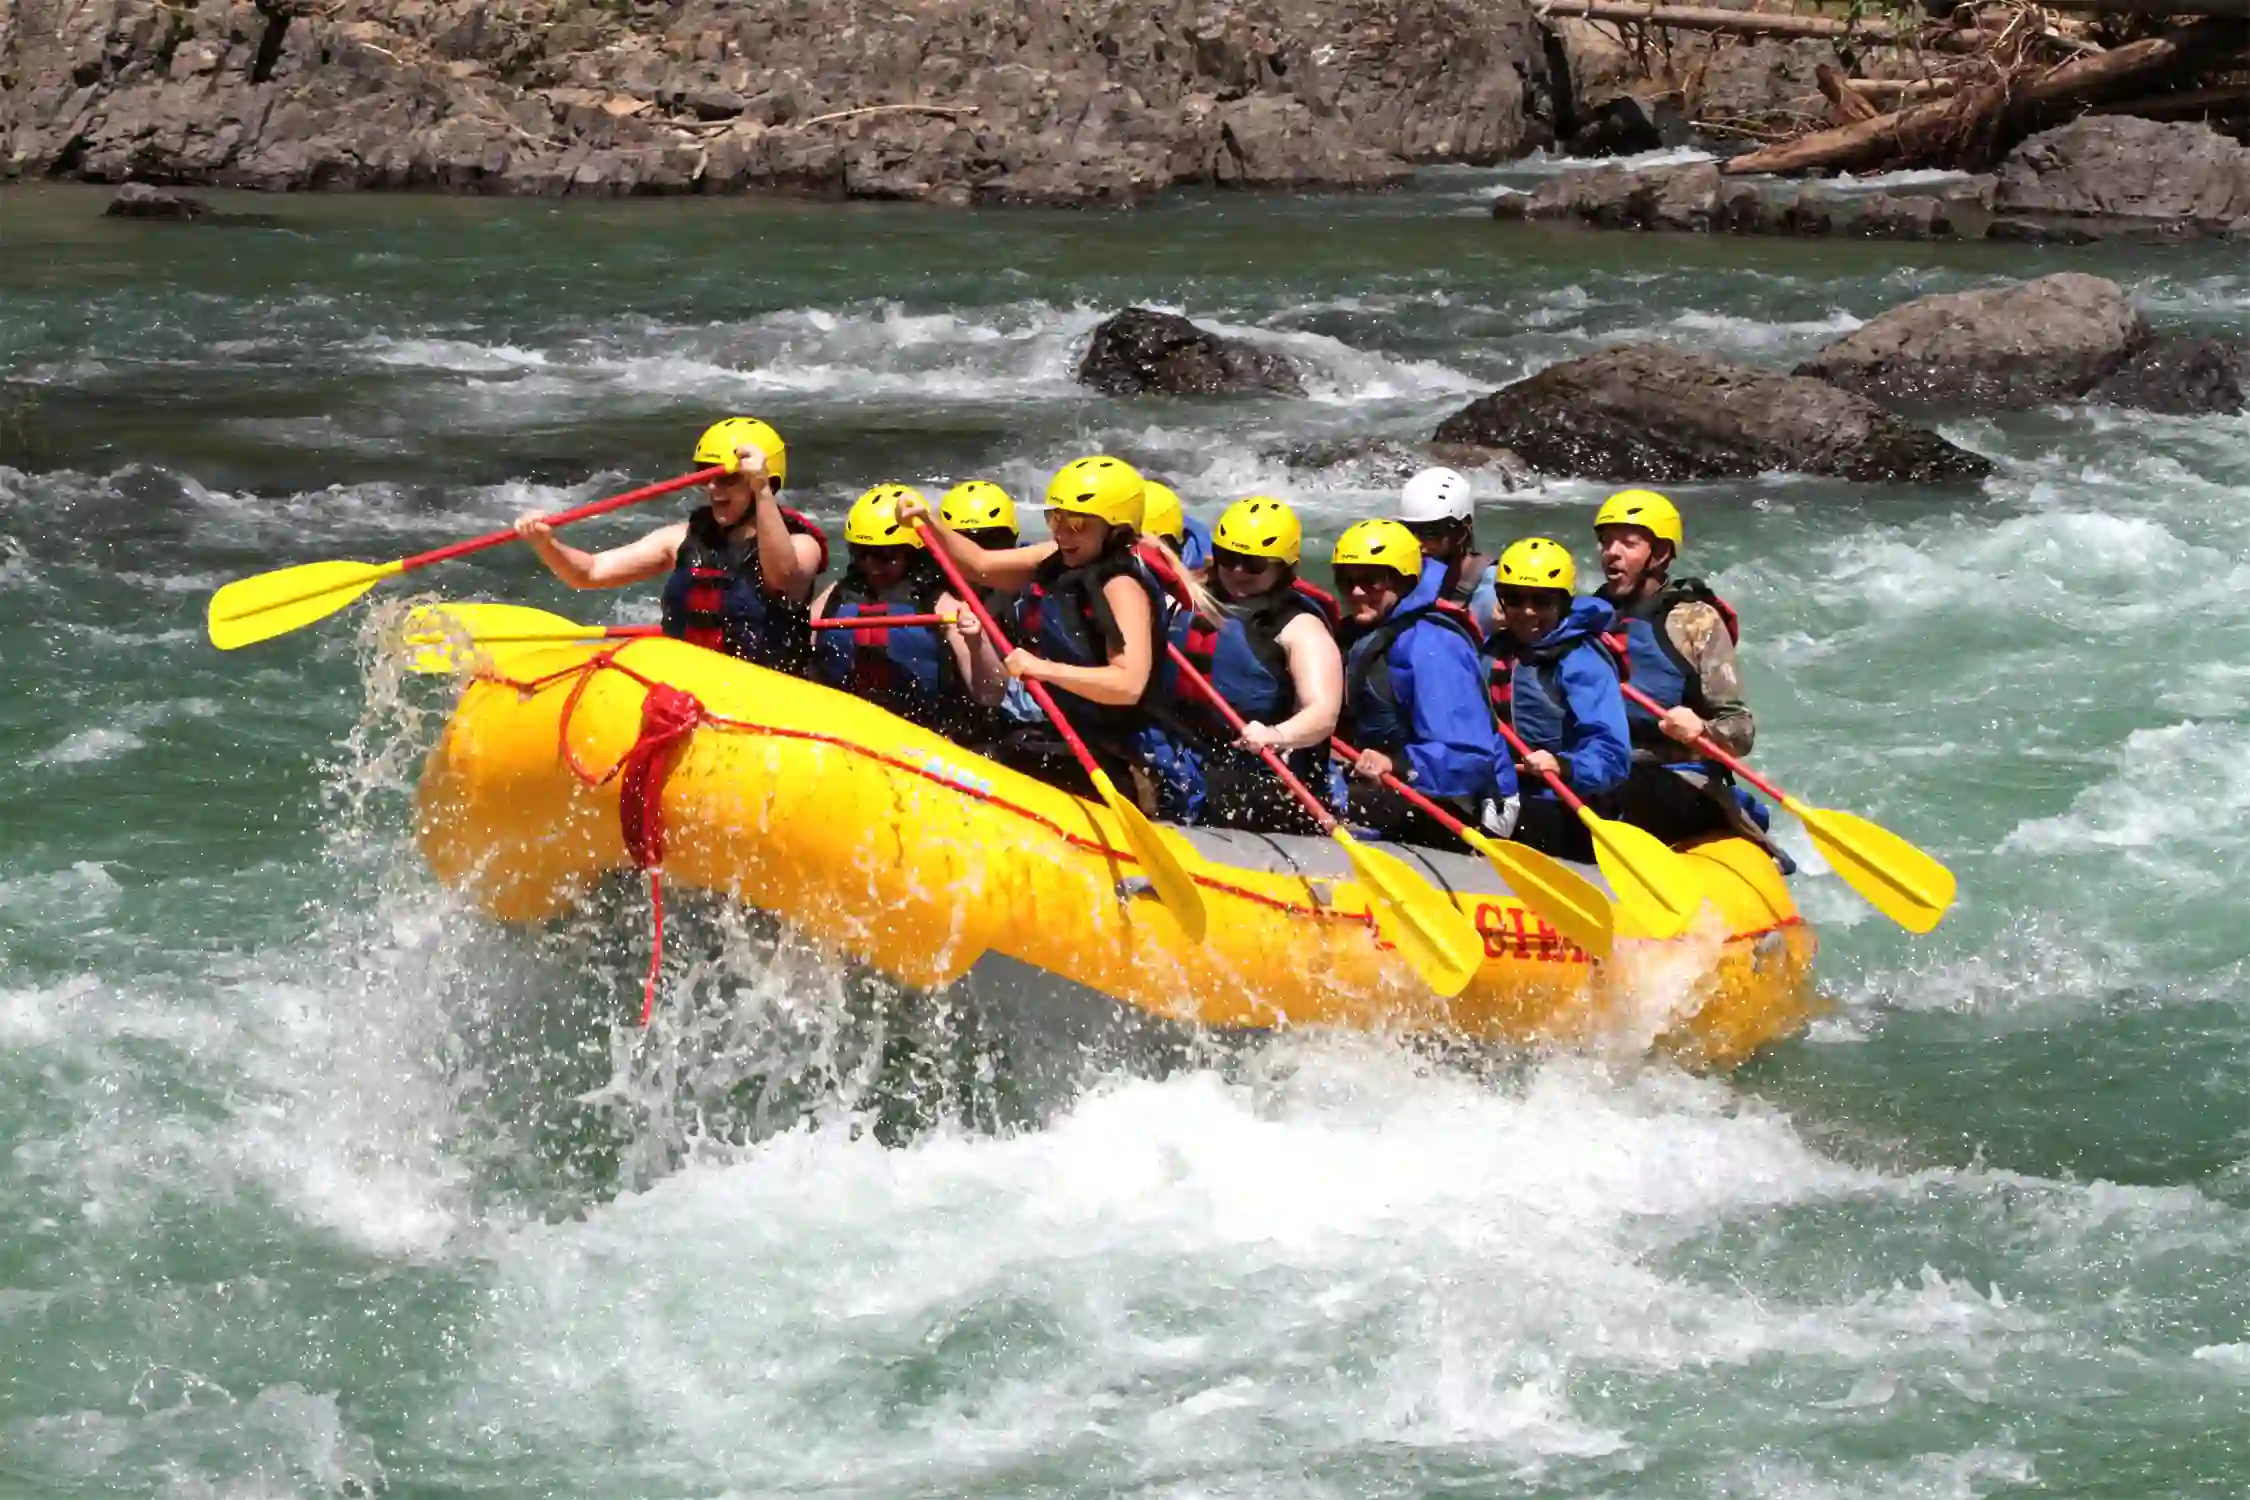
951,101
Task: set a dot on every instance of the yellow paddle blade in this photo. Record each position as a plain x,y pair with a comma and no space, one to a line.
442,639
1898,879
1433,934
249,610
1173,885
1566,900
1646,874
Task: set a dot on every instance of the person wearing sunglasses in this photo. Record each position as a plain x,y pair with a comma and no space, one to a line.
1554,678
1092,619
934,676
1267,649
737,571
1414,694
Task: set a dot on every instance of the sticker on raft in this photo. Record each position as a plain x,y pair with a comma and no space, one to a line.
934,764
1511,932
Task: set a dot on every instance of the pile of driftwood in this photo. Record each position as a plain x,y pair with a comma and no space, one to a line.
1969,85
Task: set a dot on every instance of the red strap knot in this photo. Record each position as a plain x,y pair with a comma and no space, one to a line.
668,716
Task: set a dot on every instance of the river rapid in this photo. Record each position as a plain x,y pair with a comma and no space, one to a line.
312,1183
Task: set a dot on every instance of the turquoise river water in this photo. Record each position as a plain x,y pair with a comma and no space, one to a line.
313,1183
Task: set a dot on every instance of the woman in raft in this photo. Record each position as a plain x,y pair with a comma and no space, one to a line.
938,676
737,571
1093,618
1266,647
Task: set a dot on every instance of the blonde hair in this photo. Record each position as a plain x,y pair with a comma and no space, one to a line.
1200,598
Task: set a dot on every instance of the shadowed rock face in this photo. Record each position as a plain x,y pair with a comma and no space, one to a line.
1998,348
1051,101
1654,414
2181,377
1141,353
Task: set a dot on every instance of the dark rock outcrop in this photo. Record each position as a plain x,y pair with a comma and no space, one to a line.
2181,377
1139,352
1656,414
1697,198
2134,173
137,200
949,101
2000,348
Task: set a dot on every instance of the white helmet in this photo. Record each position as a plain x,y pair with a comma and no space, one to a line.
1435,495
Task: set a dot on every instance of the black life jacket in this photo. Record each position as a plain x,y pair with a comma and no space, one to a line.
1063,616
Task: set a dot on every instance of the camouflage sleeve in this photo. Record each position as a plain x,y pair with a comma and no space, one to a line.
1702,638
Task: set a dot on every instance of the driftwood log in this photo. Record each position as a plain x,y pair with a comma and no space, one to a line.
1732,22
1941,129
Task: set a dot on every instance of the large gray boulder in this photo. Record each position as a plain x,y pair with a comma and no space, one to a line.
2119,167
1140,352
1655,414
2180,377
1998,348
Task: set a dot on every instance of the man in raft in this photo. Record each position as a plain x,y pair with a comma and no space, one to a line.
1437,507
937,676
1414,693
1680,639
1267,649
737,572
1094,618
1555,681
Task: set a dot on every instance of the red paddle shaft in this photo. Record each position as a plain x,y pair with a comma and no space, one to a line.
882,622
1570,799
1038,689
563,518
1711,748
1446,820
1266,753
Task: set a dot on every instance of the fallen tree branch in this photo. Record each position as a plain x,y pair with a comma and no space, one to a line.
1926,130
944,111
1730,22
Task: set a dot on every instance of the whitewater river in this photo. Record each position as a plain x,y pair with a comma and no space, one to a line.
313,1184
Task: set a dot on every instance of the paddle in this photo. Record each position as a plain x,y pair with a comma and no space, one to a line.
1166,875
270,604
1436,936
1566,900
1898,879
1644,873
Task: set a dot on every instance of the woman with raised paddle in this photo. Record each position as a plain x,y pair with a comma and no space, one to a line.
1098,618
1266,651
740,567
1554,680
934,676
1414,694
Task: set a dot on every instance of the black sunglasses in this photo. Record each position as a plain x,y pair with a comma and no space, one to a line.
1242,562
1523,598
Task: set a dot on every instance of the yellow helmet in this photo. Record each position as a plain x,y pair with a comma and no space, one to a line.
1646,509
1379,544
873,520
1537,563
1161,512
1099,485
977,505
1262,526
722,441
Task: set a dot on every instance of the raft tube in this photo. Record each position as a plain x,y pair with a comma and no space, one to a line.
919,858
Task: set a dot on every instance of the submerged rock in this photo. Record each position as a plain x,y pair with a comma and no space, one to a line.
2135,173
2181,377
137,200
1140,352
1998,348
1656,414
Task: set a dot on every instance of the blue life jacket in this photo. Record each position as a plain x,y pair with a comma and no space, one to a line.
1242,656
911,670
1064,617
1471,762
716,598
1658,668
1560,694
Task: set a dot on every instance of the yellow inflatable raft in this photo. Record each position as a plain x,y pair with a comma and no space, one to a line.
919,858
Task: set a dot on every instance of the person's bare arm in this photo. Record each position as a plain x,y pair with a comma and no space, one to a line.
1122,679
635,562
1316,671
